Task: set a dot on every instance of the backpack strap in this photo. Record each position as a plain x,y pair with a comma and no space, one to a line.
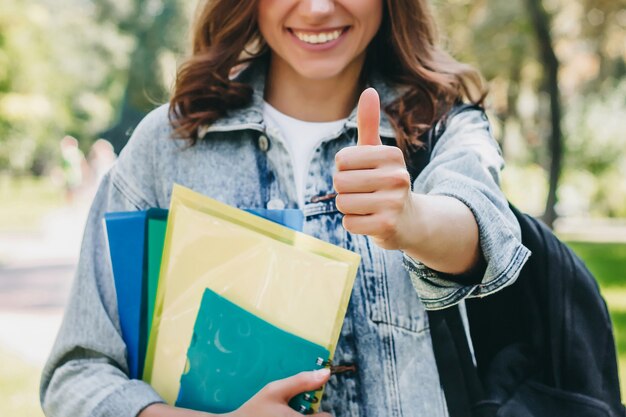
457,374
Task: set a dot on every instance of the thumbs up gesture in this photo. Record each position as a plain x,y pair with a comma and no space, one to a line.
372,183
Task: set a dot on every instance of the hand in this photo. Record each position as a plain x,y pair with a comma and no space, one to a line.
372,182
273,399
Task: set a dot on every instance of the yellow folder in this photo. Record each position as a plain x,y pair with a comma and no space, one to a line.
294,281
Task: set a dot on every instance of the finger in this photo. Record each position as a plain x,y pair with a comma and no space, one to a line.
371,180
362,203
292,413
366,157
370,224
368,118
287,388
359,181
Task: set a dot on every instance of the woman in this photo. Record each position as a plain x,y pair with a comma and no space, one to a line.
264,115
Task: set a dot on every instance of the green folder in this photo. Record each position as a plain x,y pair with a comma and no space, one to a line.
233,354
157,223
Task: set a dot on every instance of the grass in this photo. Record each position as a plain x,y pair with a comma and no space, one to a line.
19,387
607,261
25,201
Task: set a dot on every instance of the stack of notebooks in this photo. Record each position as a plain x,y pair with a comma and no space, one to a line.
216,302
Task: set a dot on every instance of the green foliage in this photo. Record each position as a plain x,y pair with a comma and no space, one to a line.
63,74
497,37
92,69
595,128
494,35
596,152
65,65
525,186
155,26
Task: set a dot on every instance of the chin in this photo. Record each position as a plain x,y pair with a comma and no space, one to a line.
320,70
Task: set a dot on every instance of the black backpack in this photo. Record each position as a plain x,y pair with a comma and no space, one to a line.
543,346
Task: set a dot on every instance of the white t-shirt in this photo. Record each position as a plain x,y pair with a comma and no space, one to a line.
301,139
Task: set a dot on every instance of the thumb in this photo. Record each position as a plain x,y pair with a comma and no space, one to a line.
288,388
368,118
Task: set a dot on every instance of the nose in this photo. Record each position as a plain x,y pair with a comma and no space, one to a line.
317,8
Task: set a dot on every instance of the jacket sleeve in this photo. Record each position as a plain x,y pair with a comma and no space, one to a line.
86,373
465,164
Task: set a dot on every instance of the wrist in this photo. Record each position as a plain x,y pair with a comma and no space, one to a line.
444,235
164,410
415,228
153,410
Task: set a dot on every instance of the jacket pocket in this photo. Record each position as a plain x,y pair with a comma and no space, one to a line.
390,296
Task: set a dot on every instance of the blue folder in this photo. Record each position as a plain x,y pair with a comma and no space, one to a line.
127,234
291,218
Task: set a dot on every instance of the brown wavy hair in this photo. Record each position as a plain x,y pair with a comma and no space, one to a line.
404,51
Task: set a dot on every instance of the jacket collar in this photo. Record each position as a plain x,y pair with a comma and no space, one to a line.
251,116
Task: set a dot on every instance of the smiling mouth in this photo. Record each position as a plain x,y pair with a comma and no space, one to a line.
318,37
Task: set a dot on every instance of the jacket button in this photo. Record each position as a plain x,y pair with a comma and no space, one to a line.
275,204
264,143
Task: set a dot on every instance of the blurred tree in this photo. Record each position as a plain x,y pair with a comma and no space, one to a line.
602,26
157,29
85,67
540,58
497,40
596,152
541,25
56,66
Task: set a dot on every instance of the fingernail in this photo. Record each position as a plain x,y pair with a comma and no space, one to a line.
321,374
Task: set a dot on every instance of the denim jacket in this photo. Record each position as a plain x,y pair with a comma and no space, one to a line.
239,162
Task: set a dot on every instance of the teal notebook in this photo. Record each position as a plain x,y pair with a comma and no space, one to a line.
234,353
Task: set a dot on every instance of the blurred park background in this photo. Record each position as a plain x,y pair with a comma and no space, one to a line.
77,75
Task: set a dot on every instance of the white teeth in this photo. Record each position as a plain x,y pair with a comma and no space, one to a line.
318,38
